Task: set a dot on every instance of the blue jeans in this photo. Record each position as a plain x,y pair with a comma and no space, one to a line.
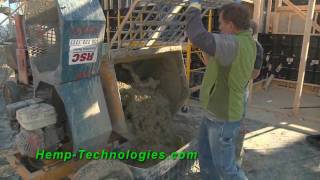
217,150
240,139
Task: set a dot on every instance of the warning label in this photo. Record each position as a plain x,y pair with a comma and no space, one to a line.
83,51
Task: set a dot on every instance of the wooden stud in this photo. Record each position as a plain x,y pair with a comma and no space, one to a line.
289,22
304,54
301,7
301,13
269,8
315,20
257,13
278,4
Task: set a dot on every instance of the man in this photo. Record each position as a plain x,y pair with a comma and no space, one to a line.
230,63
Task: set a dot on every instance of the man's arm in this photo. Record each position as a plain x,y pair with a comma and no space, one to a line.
258,62
196,31
225,47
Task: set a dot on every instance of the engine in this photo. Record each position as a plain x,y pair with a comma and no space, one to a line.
38,130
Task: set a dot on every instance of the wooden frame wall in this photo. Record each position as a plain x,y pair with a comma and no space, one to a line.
283,17
288,18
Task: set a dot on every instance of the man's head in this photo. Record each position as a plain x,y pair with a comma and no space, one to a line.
233,18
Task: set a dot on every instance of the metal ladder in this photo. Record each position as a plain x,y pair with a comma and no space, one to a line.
155,23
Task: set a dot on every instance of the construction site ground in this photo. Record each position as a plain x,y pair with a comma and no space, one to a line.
275,146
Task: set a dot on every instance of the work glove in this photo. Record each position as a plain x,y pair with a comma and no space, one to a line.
196,1
196,4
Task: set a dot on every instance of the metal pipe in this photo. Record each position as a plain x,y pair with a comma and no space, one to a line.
112,96
210,21
21,51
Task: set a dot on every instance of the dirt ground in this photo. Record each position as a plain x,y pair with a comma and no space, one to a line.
275,147
272,150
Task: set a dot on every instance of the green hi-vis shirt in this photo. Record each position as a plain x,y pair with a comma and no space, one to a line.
227,75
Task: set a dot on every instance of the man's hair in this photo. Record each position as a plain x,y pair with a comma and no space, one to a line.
236,13
254,27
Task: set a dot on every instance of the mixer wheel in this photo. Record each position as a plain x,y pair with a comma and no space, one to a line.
104,169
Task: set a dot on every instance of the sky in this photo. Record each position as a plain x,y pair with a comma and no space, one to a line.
4,31
2,16
5,3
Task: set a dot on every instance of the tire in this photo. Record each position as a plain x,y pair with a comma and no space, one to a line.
11,92
104,169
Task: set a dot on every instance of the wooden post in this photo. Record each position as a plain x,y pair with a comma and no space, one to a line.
314,30
257,13
304,54
268,16
289,23
300,13
278,3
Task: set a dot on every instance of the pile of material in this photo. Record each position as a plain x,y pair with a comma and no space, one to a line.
5,70
148,115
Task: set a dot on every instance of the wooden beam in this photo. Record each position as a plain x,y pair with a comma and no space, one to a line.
257,13
289,23
301,13
315,20
278,4
304,55
261,21
105,5
268,16
301,7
